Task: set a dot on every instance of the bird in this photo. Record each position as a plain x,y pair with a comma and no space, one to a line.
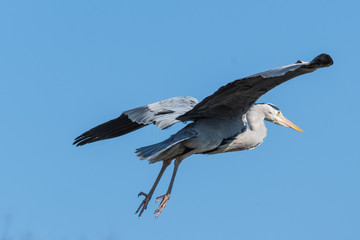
226,121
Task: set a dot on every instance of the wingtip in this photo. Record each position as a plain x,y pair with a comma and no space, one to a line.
76,144
80,141
323,60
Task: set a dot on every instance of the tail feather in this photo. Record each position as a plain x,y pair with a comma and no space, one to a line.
155,152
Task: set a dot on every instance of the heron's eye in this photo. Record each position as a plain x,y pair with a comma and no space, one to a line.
279,112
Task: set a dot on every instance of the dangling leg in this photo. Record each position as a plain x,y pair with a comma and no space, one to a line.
165,198
148,196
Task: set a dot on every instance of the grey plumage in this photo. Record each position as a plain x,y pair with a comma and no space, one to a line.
219,121
159,151
164,113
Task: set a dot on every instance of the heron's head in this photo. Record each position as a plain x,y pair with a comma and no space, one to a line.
273,114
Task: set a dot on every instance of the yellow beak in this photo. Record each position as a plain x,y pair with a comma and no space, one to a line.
290,124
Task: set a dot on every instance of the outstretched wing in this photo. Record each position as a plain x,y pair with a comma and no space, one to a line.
237,97
163,114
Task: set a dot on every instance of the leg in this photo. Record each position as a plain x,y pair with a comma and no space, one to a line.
165,198
148,196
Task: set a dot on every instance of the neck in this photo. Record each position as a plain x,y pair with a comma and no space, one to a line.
255,118
252,137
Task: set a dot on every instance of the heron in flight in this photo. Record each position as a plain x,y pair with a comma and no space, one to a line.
228,120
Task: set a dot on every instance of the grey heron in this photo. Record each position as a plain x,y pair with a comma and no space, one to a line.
228,120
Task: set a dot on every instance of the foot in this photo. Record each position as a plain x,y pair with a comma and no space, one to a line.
144,203
165,198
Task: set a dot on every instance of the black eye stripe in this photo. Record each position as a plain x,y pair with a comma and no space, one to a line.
274,107
271,105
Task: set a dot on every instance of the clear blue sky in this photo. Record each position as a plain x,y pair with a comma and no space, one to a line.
66,66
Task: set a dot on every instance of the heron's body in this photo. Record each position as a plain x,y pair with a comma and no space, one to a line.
227,121
211,136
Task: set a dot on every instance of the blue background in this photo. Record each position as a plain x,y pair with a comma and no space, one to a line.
66,66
